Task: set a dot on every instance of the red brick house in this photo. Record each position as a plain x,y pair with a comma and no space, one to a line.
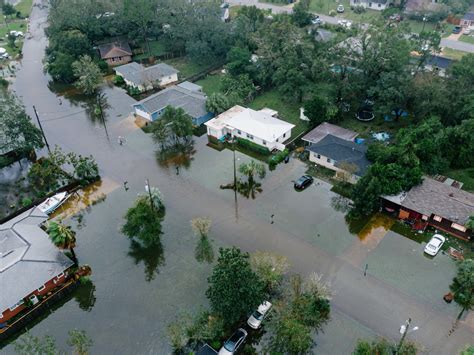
116,53
30,265
435,203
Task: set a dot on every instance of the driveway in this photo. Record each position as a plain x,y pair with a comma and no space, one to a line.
460,46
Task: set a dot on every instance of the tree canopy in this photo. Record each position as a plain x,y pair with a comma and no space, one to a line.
234,288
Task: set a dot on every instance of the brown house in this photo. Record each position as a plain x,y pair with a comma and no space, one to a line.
440,204
116,53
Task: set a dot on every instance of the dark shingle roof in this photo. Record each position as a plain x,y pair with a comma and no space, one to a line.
115,49
439,62
342,151
469,16
440,199
193,103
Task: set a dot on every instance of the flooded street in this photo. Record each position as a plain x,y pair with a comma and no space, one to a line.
135,293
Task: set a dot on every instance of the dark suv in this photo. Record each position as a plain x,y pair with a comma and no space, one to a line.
303,182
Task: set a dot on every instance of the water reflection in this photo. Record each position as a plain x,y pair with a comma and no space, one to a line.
152,257
204,251
378,224
179,155
85,294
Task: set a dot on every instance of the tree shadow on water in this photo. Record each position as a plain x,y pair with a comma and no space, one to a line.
151,255
85,294
179,155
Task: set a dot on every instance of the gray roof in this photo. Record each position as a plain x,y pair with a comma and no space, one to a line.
434,197
342,151
28,259
140,75
469,16
190,86
114,49
325,128
193,103
324,35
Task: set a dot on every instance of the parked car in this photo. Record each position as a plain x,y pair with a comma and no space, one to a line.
345,23
457,29
340,8
257,317
316,20
435,244
234,342
467,31
303,182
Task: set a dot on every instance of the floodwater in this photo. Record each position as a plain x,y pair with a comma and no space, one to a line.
134,291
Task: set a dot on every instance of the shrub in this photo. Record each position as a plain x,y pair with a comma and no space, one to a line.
277,159
332,13
253,146
25,202
118,80
359,9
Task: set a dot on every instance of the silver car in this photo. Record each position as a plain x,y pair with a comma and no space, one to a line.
234,342
257,317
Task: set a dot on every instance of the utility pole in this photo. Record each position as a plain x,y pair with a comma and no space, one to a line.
41,128
404,331
235,169
148,188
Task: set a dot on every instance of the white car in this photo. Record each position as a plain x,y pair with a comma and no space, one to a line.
255,320
232,345
340,9
435,244
467,31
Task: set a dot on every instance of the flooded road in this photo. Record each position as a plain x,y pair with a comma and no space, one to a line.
135,293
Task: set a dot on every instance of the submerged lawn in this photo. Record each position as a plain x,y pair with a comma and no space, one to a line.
287,111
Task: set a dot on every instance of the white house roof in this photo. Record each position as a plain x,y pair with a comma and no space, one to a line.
257,123
28,259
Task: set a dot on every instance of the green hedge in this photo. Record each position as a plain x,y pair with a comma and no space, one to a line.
277,159
253,146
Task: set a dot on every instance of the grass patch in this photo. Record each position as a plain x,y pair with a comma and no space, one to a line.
343,188
417,26
186,66
234,11
156,49
24,6
453,53
467,39
287,111
325,6
365,129
210,84
466,176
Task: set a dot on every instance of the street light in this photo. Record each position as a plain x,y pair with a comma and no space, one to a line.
404,330
424,23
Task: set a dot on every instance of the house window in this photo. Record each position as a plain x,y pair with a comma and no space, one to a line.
41,288
1,315
249,136
437,218
424,218
277,139
370,4
328,160
319,156
264,142
16,305
458,227
379,5
284,135
239,132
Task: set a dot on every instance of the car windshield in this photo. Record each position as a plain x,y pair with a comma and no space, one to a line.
229,345
257,315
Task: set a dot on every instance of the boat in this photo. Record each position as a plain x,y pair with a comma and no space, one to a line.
53,202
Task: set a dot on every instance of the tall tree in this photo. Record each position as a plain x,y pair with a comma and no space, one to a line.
383,347
64,237
18,131
88,74
234,289
463,286
180,123
204,251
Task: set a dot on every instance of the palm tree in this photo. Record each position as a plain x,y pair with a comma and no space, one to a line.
63,237
252,168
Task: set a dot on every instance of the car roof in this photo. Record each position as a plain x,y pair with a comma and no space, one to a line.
264,307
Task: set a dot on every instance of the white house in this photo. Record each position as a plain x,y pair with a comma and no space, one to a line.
371,4
260,127
147,78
